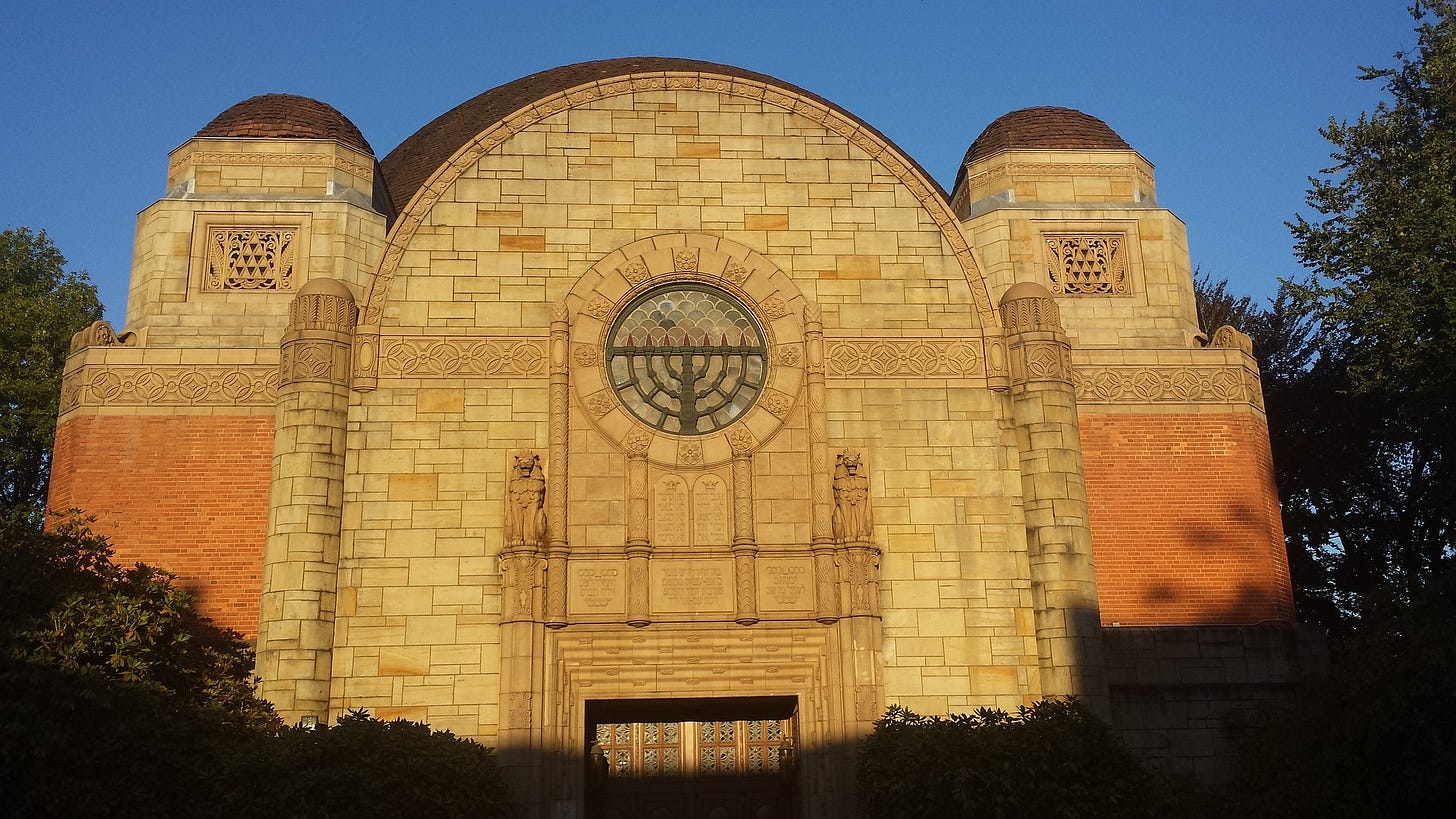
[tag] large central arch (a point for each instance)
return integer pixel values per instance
(424, 166)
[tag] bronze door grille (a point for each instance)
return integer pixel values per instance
(710, 748)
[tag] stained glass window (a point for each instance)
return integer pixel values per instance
(687, 359)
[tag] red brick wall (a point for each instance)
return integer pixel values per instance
(185, 493)
(1185, 519)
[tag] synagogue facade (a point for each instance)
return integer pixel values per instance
(660, 422)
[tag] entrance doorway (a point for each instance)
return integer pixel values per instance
(708, 758)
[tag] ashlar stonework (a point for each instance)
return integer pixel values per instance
(661, 423)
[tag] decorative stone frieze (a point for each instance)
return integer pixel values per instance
(170, 385)
(454, 357)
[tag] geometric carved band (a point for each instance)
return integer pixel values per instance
(175, 385)
(313, 361)
(1185, 383)
(434, 357)
(905, 357)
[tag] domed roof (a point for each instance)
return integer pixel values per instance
(408, 166)
(286, 116)
(1043, 128)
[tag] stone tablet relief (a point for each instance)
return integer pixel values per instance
(596, 587)
(692, 586)
(785, 584)
(710, 512)
(669, 511)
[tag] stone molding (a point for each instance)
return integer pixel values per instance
(872, 357)
(264, 159)
(1060, 168)
(462, 356)
(879, 150)
(253, 385)
(1217, 379)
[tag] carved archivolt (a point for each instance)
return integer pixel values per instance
(183, 385)
(434, 357)
(928, 194)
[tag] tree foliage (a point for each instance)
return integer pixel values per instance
(41, 306)
(1381, 249)
(117, 699)
(70, 606)
(1052, 759)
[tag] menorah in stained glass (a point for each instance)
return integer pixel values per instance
(687, 359)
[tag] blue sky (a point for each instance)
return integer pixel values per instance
(1224, 98)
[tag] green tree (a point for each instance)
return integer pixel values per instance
(67, 605)
(1382, 254)
(1052, 759)
(41, 306)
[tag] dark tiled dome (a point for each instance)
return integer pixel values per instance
(1045, 128)
(286, 116)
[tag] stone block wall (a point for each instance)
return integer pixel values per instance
(1180, 693)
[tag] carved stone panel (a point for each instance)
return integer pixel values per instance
(692, 586)
(710, 512)
(785, 585)
(597, 588)
(670, 511)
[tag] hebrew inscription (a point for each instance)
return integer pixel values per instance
(710, 512)
(670, 511)
(692, 586)
(596, 588)
(785, 584)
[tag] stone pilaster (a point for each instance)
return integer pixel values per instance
(1059, 542)
(557, 549)
(300, 560)
(826, 585)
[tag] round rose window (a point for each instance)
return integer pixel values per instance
(687, 359)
